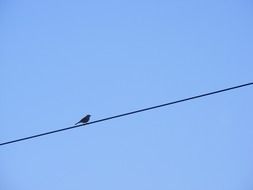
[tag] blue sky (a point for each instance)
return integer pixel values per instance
(60, 60)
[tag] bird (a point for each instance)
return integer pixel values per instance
(84, 120)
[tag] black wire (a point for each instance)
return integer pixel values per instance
(125, 114)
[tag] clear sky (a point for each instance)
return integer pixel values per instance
(61, 60)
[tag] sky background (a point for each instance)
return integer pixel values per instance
(61, 60)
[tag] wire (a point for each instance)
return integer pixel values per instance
(125, 114)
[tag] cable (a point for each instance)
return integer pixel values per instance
(125, 114)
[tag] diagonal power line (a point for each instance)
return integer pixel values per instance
(125, 114)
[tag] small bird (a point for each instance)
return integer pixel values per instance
(84, 120)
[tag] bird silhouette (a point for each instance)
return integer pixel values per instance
(84, 120)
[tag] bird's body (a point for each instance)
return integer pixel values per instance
(84, 120)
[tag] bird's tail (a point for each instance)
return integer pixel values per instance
(77, 123)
